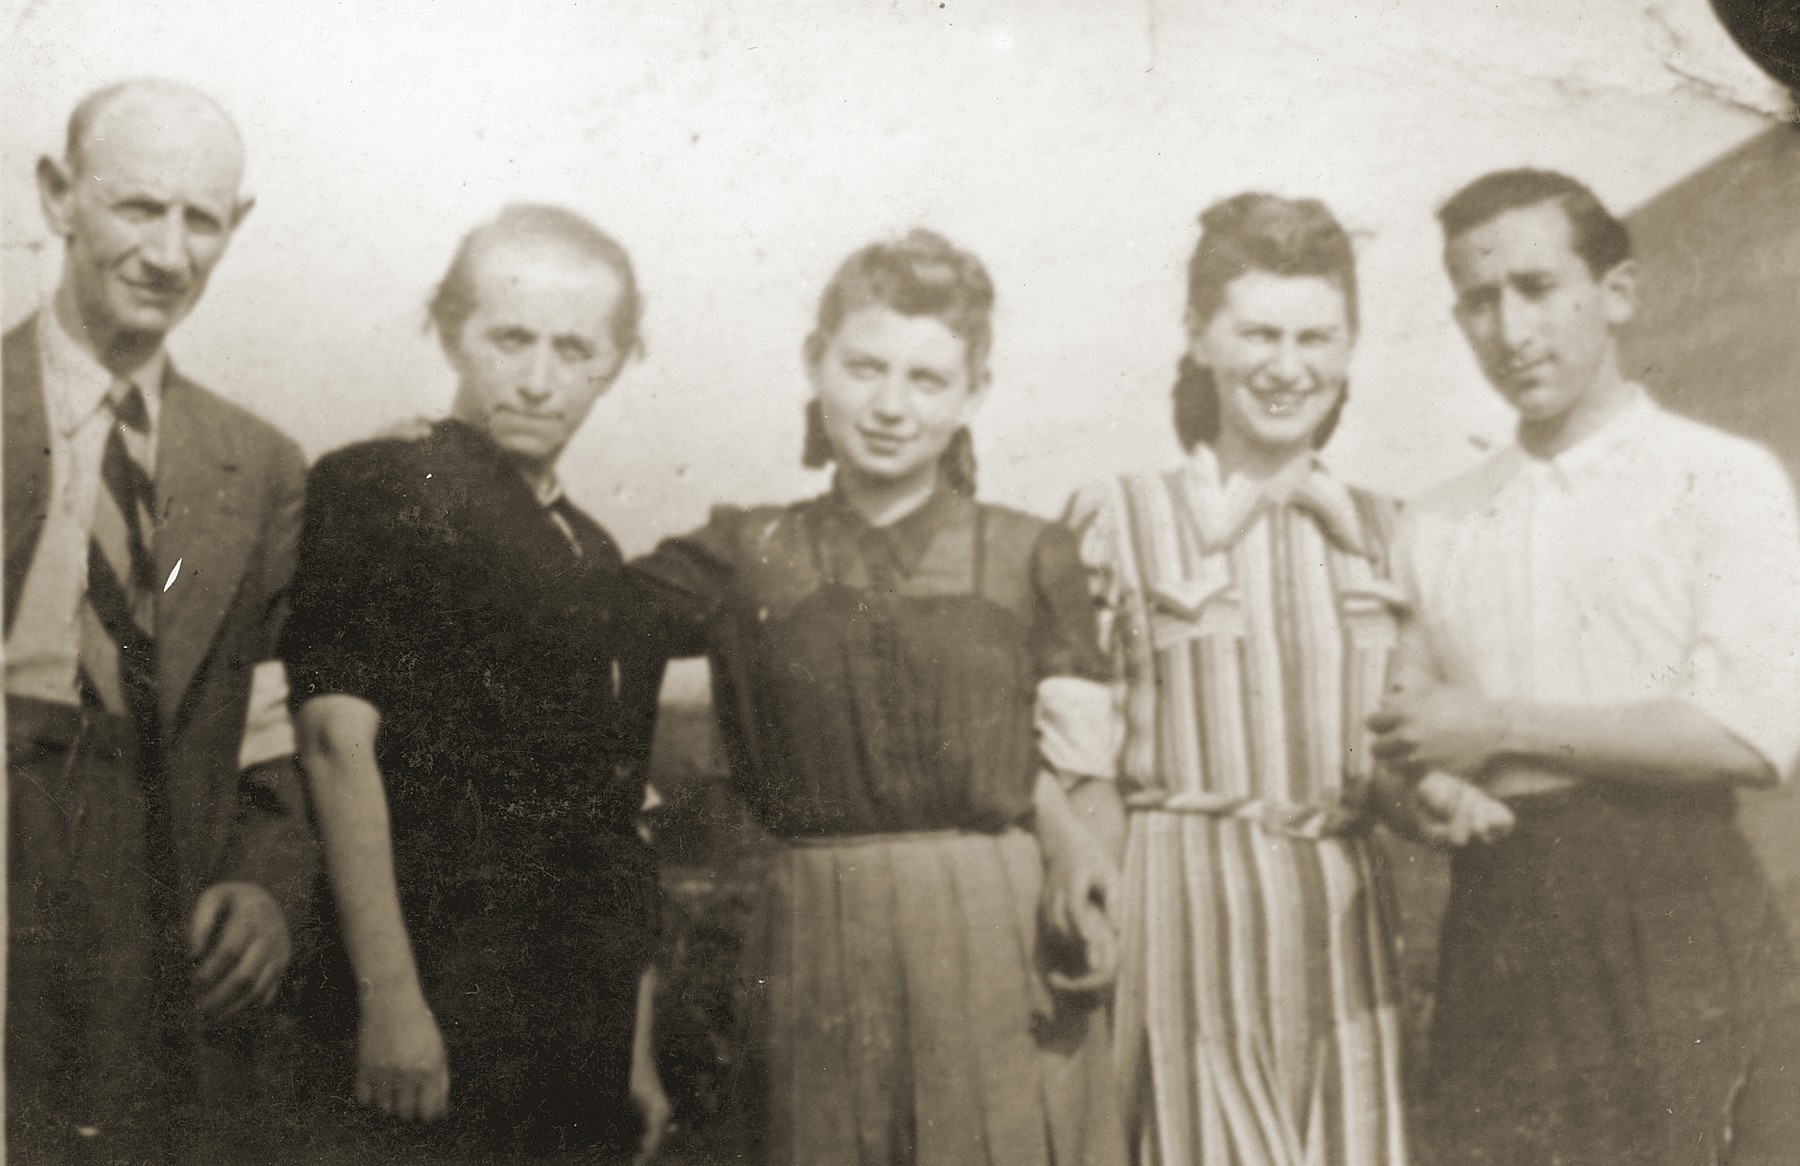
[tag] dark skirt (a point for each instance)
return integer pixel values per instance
(532, 971)
(1615, 985)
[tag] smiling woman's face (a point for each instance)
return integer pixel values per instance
(538, 349)
(894, 389)
(1279, 348)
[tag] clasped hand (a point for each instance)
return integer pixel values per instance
(1442, 738)
(1077, 888)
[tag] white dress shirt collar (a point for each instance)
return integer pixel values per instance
(1594, 449)
(77, 383)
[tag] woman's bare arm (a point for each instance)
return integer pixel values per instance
(402, 1065)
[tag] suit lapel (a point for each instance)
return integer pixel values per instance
(27, 423)
(199, 485)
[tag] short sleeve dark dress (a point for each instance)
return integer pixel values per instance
(875, 688)
(484, 626)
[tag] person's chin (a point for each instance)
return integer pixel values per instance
(138, 319)
(526, 447)
(884, 468)
(1275, 432)
(137, 310)
(1537, 402)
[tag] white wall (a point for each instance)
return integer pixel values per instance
(741, 149)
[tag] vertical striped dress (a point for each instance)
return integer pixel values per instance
(1257, 1008)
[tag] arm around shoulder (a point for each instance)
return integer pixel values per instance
(675, 592)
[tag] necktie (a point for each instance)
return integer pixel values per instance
(118, 672)
(118, 642)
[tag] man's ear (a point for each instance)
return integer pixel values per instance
(242, 210)
(55, 186)
(1619, 293)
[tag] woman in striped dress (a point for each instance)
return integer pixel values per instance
(1247, 601)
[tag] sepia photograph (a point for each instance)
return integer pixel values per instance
(901, 582)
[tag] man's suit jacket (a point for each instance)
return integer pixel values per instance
(229, 486)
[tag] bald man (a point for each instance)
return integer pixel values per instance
(157, 842)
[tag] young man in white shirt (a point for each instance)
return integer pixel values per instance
(1607, 637)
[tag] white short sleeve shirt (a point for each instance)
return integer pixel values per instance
(1657, 559)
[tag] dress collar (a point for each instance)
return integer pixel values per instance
(549, 491)
(1225, 509)
(908, 537)
(480, 444)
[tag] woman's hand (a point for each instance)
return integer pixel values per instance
(1452, 812)
(402, 1067)
(1078, 884)
(1099, 952)
(645, 1085)
(1079, 874)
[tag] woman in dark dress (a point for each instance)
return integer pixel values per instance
(465, 711)
(904, 676)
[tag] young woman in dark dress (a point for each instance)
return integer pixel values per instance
(904, 676)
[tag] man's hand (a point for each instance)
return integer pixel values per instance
(652, 1105)
(239, 946)
(1438, 727)
(402, 1067)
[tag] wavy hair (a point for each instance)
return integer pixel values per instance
(1602, 241)
(920, 274)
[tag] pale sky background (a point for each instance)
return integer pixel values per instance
(741, 149)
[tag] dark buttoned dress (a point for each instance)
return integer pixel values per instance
(876, 690)
(434, 585)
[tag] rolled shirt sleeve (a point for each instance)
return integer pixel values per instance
(1743, 669)
(1075, 714)
(1085, 728)
(1079, 727)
